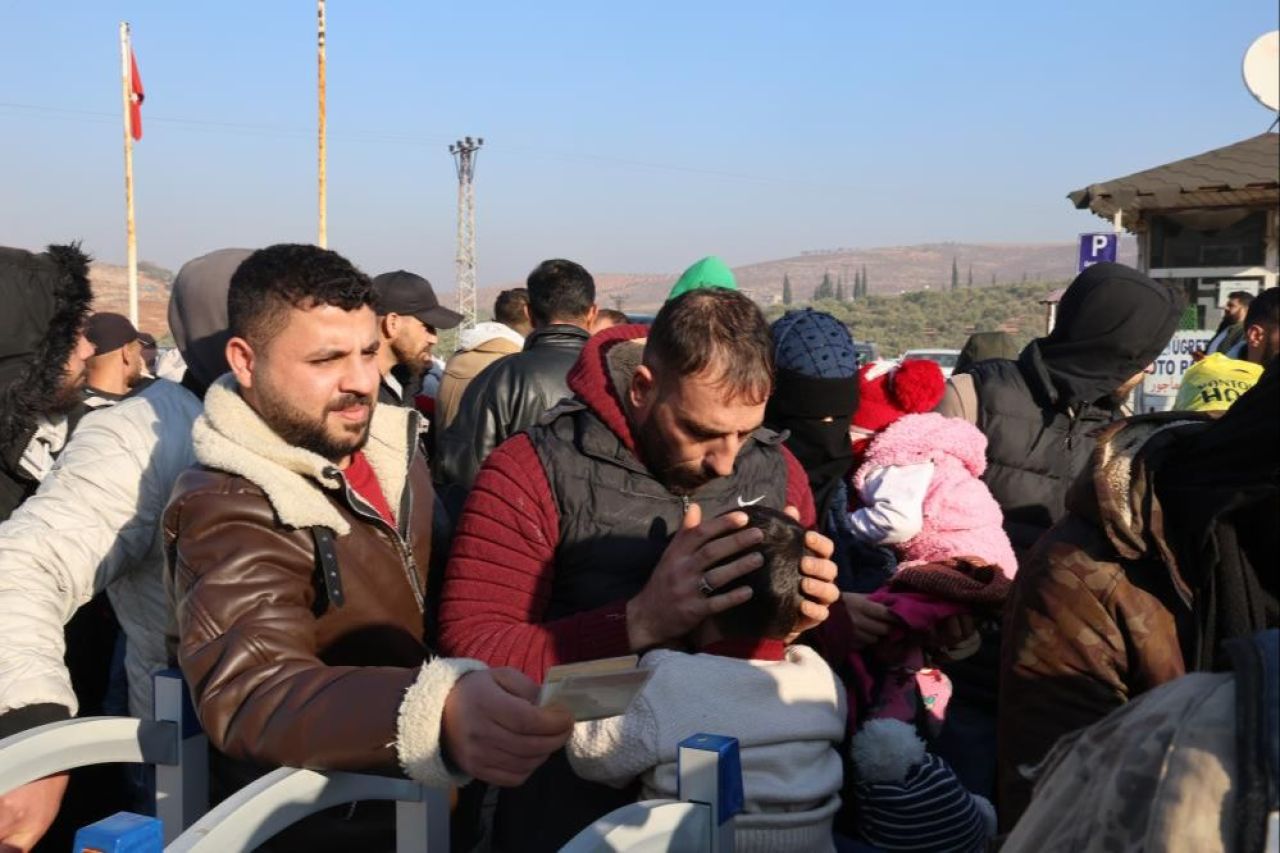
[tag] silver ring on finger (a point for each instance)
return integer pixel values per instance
(705, 587)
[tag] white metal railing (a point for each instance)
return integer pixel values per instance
(710, 774)
(172, 742)
(283, 797)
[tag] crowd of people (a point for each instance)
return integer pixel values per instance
(928, 608)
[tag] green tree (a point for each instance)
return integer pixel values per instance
(786, 289)
(865, 292)
(955, 274)
(840, 290)
(970, 284)
(826, 290)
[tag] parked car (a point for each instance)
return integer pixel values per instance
(946, 358)
(867, 352)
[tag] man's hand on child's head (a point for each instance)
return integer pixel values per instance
(681, 592)
(818, 584)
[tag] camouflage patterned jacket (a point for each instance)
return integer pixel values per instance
(1099, 613)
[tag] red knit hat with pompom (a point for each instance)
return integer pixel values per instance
(888, 391)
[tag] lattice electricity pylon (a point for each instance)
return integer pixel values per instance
(464, 153)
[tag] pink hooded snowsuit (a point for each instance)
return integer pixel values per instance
(959, 515)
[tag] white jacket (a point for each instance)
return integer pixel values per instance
(94, 524)
(789, 717)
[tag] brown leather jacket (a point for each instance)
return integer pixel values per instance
(287, 664)
(1097, 612)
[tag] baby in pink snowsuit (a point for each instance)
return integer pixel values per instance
(919, 490)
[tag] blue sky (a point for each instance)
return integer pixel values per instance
(631, 137)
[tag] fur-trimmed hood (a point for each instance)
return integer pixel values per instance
(46, 298)
(230, 436)
(1115, 490)
(483, 333)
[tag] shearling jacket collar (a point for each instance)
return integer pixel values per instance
(1115, 490)
(230, 436)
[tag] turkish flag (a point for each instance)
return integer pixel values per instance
(136, 96)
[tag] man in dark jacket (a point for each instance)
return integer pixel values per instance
(584, 537)
(1038, 412)
(42, 362)
(511, 394)
(1168, 549)
(298, 553)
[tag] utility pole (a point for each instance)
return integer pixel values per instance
(127, 69)
(464, 153)
(322, 184)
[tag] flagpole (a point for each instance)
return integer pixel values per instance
(130, 231)
(323, 239)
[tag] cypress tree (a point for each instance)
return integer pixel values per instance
(786, 289)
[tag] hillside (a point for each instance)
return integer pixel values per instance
(110, 285)
(933, 318)
(889, 270)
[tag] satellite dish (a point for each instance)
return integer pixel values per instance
(1262, 69)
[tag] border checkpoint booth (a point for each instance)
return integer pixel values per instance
(1207, 224)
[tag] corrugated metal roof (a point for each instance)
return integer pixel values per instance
(1244, 174)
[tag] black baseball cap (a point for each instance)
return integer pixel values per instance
(108, 331)
(402, 292)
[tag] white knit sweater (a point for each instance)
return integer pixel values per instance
(788, 717)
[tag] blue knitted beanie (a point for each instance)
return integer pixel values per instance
(814, 344)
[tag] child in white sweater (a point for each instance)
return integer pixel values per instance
(783, 704)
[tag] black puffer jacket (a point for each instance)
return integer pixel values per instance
(507, 397)
(46, 298)
(1040, 413)
(1035, 444)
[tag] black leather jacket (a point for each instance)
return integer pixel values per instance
(506, 398)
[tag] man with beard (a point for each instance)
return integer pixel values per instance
(115, 370)
(584, 536)
(409, 317)
(298, 552)
(42, 362)
(1230, 332)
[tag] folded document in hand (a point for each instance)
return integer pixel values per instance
(595, 689)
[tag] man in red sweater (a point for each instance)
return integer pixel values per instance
(584, 537)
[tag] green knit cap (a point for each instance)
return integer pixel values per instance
(708, 272)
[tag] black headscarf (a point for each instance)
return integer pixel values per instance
(1112, 322)
(1219, 490)
(800, 404)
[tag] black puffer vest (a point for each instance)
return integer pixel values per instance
(1037, 442)
(615, 522)
(615, 518)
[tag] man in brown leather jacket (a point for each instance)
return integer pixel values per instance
(299, 550)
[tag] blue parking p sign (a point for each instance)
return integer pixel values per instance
(1095, 248)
